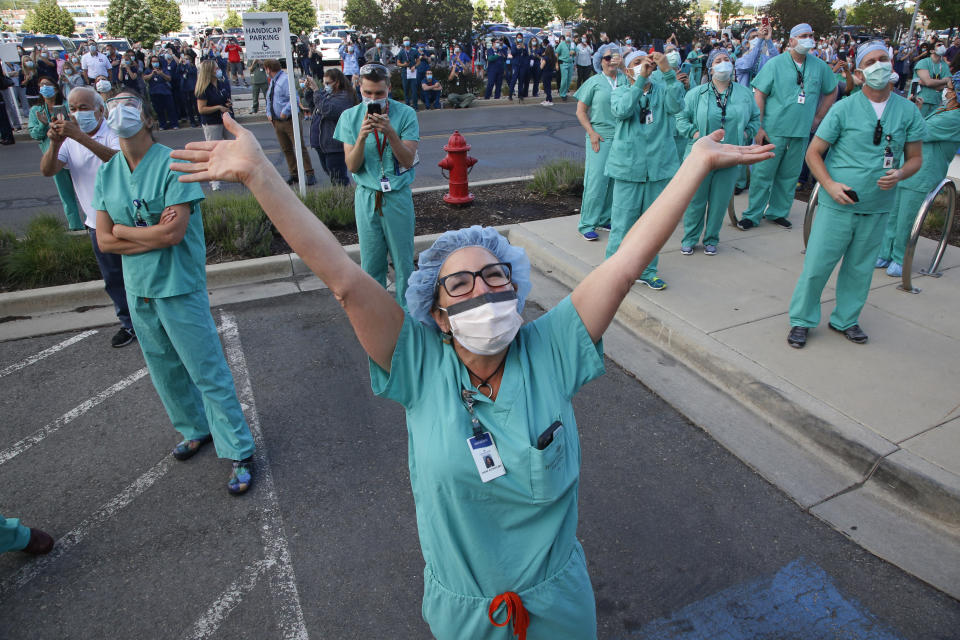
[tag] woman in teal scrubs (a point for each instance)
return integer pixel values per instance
(153, 220)
(593, 112)
(940, 146)
(492, 440)
(718, 104)
(40, 117)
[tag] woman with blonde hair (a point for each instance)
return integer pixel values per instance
(213, 100)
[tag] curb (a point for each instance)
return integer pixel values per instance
(902, 475)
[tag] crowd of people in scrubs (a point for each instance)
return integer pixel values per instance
(669, 139)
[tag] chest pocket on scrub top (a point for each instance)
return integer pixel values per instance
(150, 210)
(551, 471)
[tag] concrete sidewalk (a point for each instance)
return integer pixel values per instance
(865, 437)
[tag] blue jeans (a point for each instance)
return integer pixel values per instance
(111, 268)
(432, 99)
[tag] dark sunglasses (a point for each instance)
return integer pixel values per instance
(878, 133)
(608, 58)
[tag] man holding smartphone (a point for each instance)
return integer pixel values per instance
(867, 134)
(380, 138)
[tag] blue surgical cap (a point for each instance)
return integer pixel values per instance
(863, 50)
(422, 284)
(633, 55)
(956, 82)
(716, 51)
(605, 49)
(803, 27)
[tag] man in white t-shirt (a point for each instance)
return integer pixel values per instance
(81, 144)
(94, 64)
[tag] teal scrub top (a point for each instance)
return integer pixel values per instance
(564, 53)
(595, 93)
(645, 152)
(515, 531)
(854, 160)
(939, 149)
(404, 121)
(783, 115)
(701, 114)
(161, 273)
(937, 71)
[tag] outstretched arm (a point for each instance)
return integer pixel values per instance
(374, 314)
(597, 298)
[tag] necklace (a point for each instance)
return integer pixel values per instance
(485, 382)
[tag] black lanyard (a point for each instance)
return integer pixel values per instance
(722, 104)
(466, 395)
(644, 107)
(800, 71)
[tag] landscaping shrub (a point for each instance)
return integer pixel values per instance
(46, 256)
(333, 205)
(235, 227)
(563, 176)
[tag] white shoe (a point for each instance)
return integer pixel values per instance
(214, 186)
(546, 104)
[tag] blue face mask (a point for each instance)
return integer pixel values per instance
(86, 120)
(155, 65)
(219, 74)
(47, 91)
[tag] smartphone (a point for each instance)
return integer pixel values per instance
(373, 107)
(59, 110)
(852, 195)
(545, 438)
(765, 21)
(842, 55)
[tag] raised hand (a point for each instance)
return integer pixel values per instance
(710, 150)
(222, 160)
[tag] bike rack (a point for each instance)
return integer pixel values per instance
(811, 213)
(950, 191)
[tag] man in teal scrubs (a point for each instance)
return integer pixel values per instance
(642, 158)
(867, 134)
(940, 146)
(933, 74)
(565, 61)
(793, 91)
(380, 151)
(16, 537)
(673, 59)
(593, 112)
(153, 220)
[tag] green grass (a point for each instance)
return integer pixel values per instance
(558, 178)
(45, 256)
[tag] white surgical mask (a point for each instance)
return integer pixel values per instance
(103, 86)
(723, 70)
(804, 45)
(487, 324)
(673, 58)
(125, 121)
(754, 43)
(877, 75)
(940, 50)
(86, 120)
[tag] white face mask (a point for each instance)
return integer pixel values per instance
(723, 70)
(487, 324)
(804, 45)
(940, 50)
(754, 43)
(125, 121)
(673, 58)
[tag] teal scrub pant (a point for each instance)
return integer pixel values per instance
(906, 204)
(774, 181)
(562, 607)
(183, 354)
(743, 176)
(68, 197)
(681, 147)
(566, 75)
(391, 232)
(13, 535)
(709, 203)
(630, 200)
(597, 187)
(837, 234)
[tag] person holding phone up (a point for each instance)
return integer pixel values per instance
(380, 138)
(867, 134)
(52, 109)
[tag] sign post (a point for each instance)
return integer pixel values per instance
(268, 36)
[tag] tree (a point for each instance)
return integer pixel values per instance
(364, 15)
(480, 14)
(167, 13)
(301, 13)
(48, 17)
(729, 9)
(439, 20)
(878, 15)
(566, 10)
(786, 13)
(233, 20)
(496, 15)
(133, 20)
(529, 13)
(943, 14)
(640, 19)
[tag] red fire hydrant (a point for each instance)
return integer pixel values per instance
(458, 163)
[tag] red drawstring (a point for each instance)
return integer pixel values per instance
(515, 610)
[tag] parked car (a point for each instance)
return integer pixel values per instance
(330, 48)
(120, 44)
(51, 42)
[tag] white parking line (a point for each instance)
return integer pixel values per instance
(30, 571)
(283, 580)
(19, 447)
(210, 621)
(26, 362)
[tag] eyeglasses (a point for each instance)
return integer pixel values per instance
(123, 101)
(461, 283)
(374, 72)
(608, 58)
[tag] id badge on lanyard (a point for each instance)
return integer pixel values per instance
(801, 99)
(888, 156)
(481, 444)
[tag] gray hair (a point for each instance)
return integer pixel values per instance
(97, 98)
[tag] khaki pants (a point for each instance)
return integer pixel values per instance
(284, 131)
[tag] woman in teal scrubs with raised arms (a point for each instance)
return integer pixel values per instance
(153, 220)
(493, 449)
